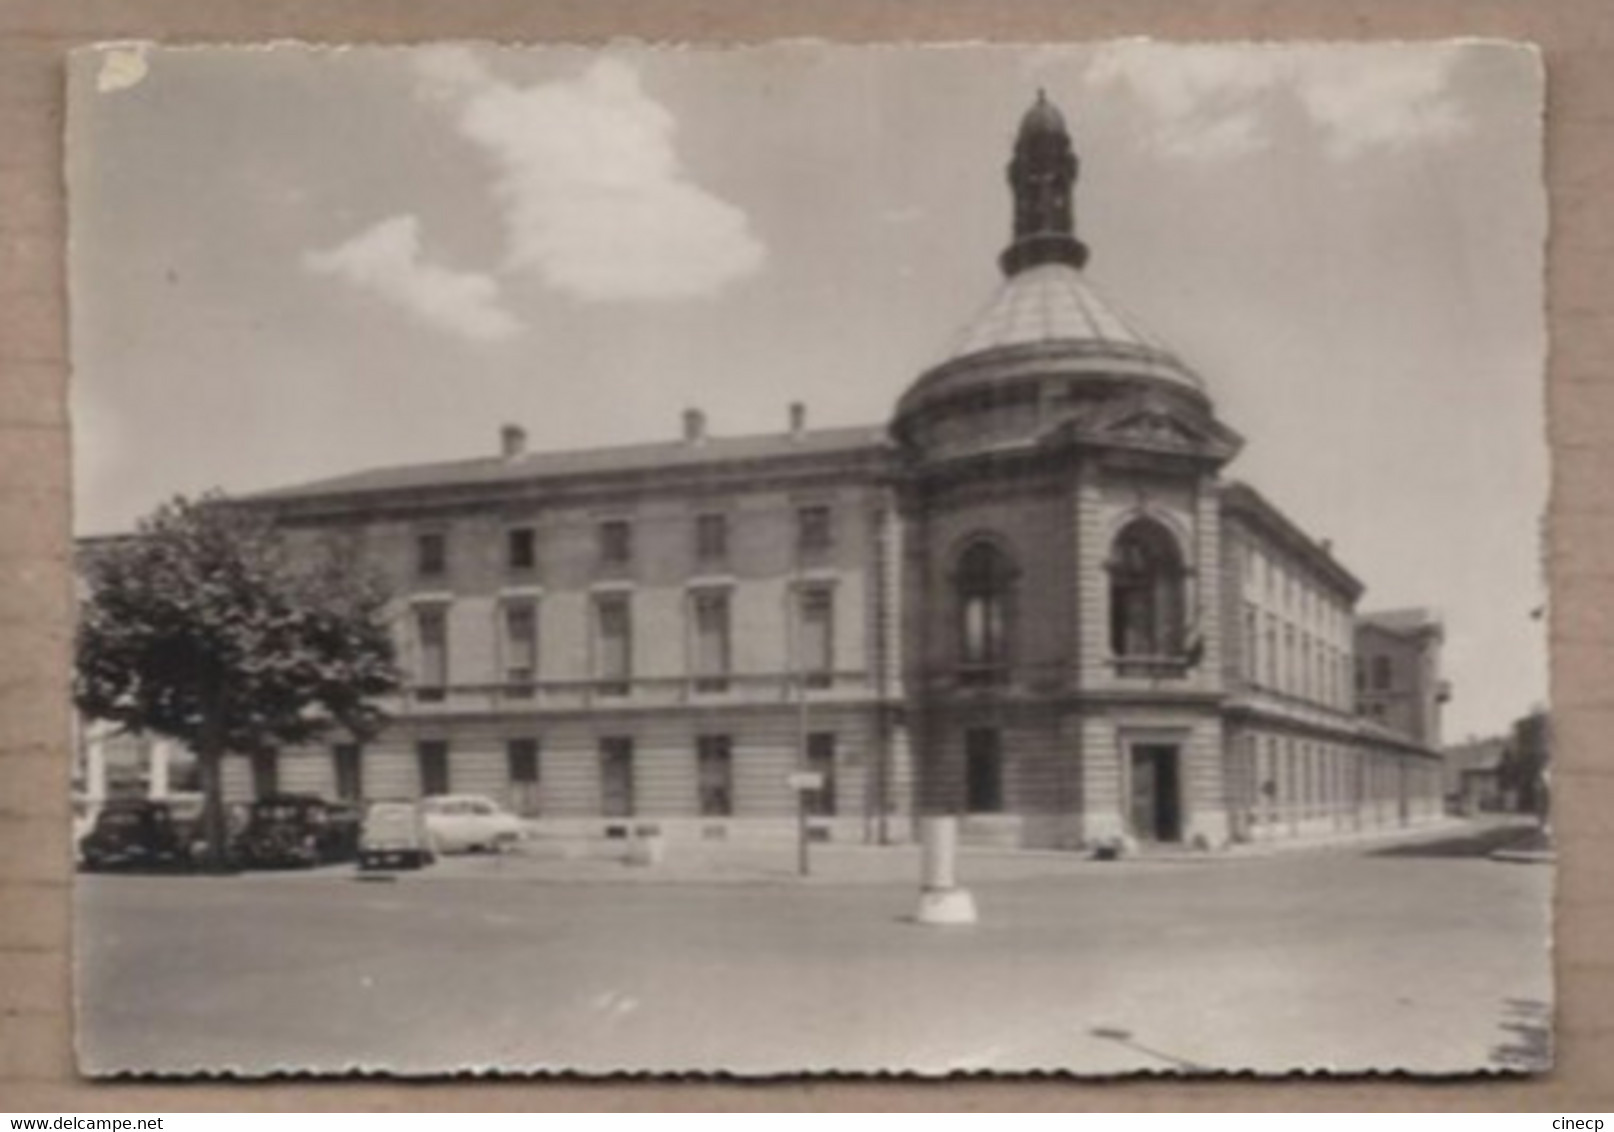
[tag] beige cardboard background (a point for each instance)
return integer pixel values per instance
(1577, 36)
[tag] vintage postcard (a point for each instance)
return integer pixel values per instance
(804, 558)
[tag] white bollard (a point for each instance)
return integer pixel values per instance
(647, 846)
(941, 900)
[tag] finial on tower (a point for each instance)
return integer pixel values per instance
(1042, 174)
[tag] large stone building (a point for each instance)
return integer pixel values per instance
(1032, 599)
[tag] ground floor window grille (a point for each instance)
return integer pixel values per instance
(715, 775)
(346, 758)
(821, 761)
(265, 774)
(432, 756)
(1268, 773)
(521, 757)
(616, 777)
(1244, 781)
(1290, 792)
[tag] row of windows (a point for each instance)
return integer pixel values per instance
(1147, 601)
(1148, 608)
(614, 547)
(711, 637)
(714, 773)
(1287, 658)
(1280, 587)
(1295, 775)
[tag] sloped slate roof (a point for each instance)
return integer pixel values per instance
(493, 470)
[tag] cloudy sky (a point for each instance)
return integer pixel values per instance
(288, 264)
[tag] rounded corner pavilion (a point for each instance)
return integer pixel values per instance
(1085, 663)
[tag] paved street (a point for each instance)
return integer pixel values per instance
(1430, 957)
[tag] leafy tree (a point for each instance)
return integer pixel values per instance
(1525, 761)
(206, 627)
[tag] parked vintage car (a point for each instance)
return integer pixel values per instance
(470, 823)
(394, 835)
(138, 833)
(297, 831)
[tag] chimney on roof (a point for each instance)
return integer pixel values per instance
(512, 441)
(694, 426)
(798, 419)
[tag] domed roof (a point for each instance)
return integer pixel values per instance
(1043, 118)
(1054, 305)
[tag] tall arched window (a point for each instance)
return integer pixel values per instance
(983, 578)
(1146, 593)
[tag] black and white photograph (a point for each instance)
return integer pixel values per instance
(809, 558)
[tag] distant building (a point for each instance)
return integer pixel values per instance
(1506, 772)
(1398, 680)
(1031, 600)
(1473, 776)
(110, 764)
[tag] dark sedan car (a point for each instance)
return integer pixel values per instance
(138, 834)
(297, 831)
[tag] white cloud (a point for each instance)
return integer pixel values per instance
(385, 260)
(595, 199)
(1393, 101)
(1211, 102)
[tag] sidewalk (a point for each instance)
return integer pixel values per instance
(775, 862)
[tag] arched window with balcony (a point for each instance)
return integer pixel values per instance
(984, 579)
(1147, 602)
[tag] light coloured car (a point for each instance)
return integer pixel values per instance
(470, 823)
(394, 836)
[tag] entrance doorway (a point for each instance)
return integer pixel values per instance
(1156, 792)
(983, 766)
